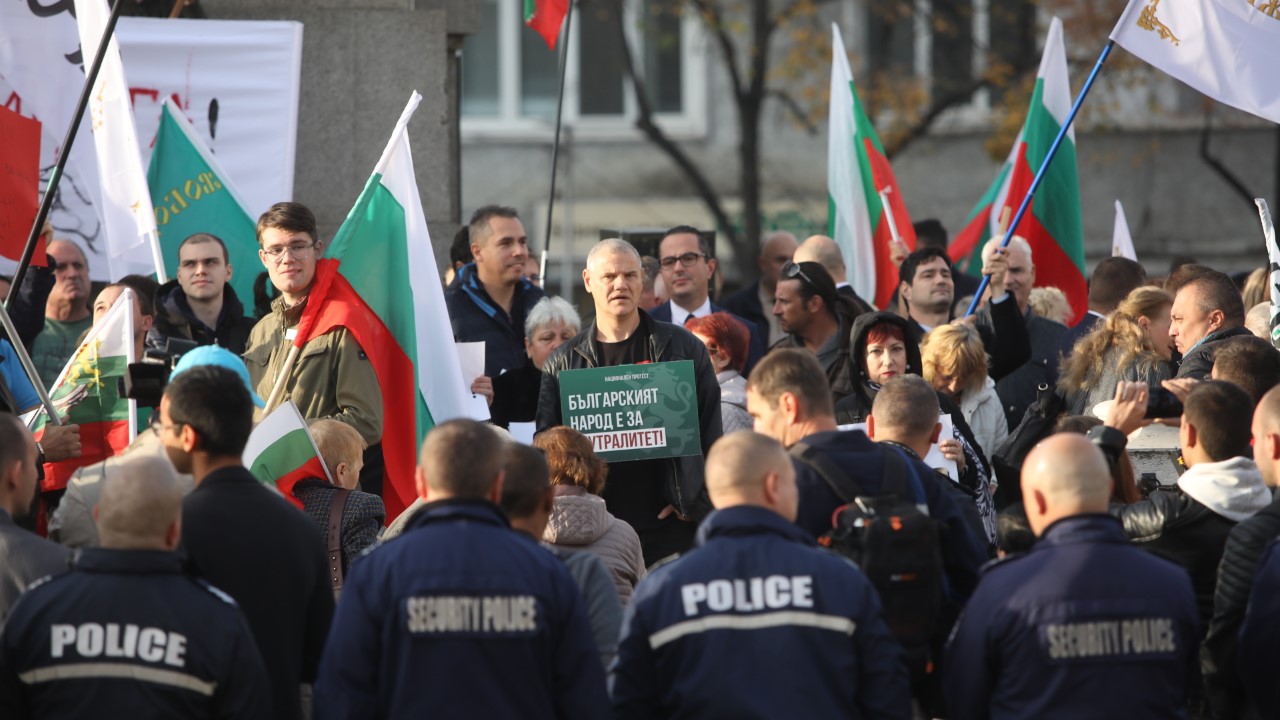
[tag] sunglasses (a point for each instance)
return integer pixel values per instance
(791, 271)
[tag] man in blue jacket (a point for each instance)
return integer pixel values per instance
(460, 617)
(757, 621)
(1085, 623)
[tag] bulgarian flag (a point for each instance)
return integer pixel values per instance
(545, 17)
(87, 393)
(1052, 225)
(281, 451)
(379, 281)
(857, 173)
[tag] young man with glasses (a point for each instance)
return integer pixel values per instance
(332, 377)
(687, 268)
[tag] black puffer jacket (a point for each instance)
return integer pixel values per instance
(685, 484)
(1178, 527)
(1199, 362)
(174, 318)
(1240, 558)
(856, 406)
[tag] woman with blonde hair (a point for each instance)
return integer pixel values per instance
(954, 361)
(1131, 344)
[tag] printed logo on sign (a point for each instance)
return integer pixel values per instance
(1148, 21)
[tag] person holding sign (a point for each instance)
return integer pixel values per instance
(662, 495)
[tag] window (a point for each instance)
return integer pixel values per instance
(948, 44)
(509, 76)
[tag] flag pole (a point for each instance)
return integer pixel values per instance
(555, 142)
(1035, 184)
(28, 367)
(90, 77)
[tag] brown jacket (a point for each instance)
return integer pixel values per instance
(332, 377)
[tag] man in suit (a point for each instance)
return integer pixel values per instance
(687, 269)
(1112, 281)
(755, 301)
(824, 251)
(24, 556)
(244, 538)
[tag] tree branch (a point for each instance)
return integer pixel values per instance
(921, 127)
(1223, 171)
(711, 18)
(793, 106)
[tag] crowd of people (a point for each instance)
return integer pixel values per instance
(890, 512)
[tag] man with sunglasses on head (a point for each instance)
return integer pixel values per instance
(687, 269)
(332, 377)
(818, 319)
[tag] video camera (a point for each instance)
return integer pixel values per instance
(144, 381)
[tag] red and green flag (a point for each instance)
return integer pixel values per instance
(379, 281)
(281, 451)
(545, 17)
(87, 393)
(1052, 224)
(858, 177)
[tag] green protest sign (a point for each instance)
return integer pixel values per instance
(634, 412)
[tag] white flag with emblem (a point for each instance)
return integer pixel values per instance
(1226, 49)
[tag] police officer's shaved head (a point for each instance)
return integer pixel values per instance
(460, 458)
(141, 505)
(1064, 475)
(1266, 436)
(907, 406)
(747, 468)
(17, 465)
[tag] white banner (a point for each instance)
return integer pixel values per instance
(237, 80)
(1226, 49)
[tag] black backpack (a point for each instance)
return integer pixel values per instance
(895, 543)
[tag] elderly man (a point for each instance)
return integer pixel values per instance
(662, 498)
(128, 633)
(1083, 609)
(755, 301)
(66, 314)
(1206, 311)
(690, 650)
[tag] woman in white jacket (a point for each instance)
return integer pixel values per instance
(955, 363)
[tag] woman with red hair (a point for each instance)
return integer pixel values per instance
(727, 340)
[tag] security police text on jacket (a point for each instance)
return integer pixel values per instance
(757, 622)
(127, 635)
(460, 617)
(1084, 624)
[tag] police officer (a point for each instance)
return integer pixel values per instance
(757, 621)
(460, 616)
(126, 633)
(1083, 610)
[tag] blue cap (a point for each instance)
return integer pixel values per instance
(221, 357)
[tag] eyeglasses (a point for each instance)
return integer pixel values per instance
(159, 426)
(296, 251)
(686, 260)
(791, 271)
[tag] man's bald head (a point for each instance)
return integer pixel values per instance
(1266, 437)
(1064, 475)
(461, 458)
(747, 468)
(141, 505)
(824, 251)
(775, 252)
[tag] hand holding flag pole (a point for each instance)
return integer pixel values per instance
(897, 249)
(27, 366)
(1035, 184)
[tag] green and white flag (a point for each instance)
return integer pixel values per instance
(192, 194)
(281, 451)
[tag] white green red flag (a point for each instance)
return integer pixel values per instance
(87, 393)
(1052, 224)
(191, 194)
(857, 172)
(379, 280)
(281, 451)
(1226, 49)
(545, 17)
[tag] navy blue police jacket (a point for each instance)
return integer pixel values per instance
(1085, 625)
(862, 458)
(1259, 649)
(126, 634)
(460, 617)
(757, 622)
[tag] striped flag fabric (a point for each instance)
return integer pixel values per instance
(857, 172)
(127, 217)
(545, 17)
(281, 451)
(1052, 224)
(379, 280)
(87, 393)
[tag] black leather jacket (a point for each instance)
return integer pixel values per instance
(685, 483)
